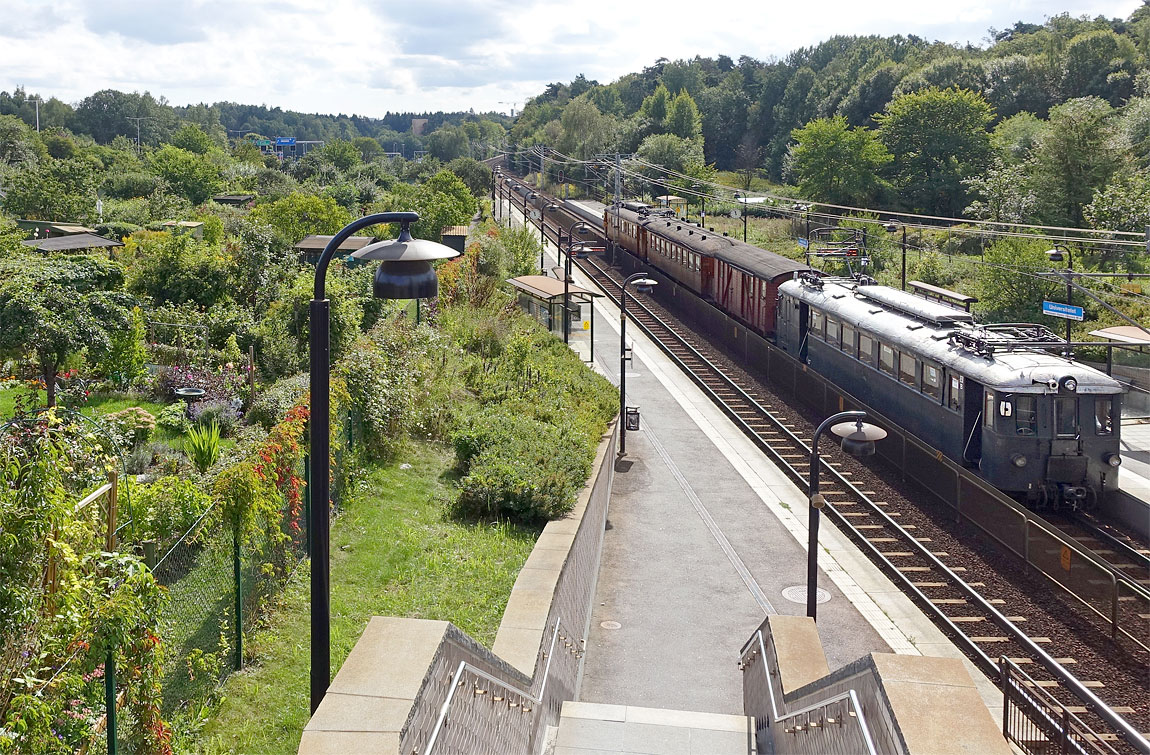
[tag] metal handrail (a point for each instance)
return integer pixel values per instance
(1010, 668)
(777, 719)
(465, 666)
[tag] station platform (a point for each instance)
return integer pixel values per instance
(1134, 475)
(704, 538)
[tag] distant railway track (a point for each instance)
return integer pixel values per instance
(981, 610)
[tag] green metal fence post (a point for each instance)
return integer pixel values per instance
(239, 596)
(110, 700)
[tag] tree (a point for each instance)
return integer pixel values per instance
(448, 143)
(341, 153)
(1008, 289)
(1003, 193)
(191, 175)
(1100, 63)
(1124, 204)
(55, 306)
(473, 173)
(54, 190)
(443, 200)
(174, 269)
(748, 161)
(1074, 157)
(368, 147)
(192, 138)
(683, 117)
(1013, 139)
(938, 137)
(836, 163)
(673, 152)
(654, 107)
(17, 141)
(298, 215)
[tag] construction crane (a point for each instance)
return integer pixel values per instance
(513, 106)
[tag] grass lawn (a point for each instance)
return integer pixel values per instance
(393, 553)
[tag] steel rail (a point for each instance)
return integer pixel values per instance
(989, 666)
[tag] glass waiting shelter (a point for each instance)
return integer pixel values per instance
(541, 296)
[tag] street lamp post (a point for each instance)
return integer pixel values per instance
(858, 439)
(552, 207)
(405, 272)
(582, 228)
(742, 199)
(1055, 255)
(643, 284)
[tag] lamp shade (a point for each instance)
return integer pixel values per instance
(405, 270)
(858, 438)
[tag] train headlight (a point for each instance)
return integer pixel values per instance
(1113, 459)
(1018, 460)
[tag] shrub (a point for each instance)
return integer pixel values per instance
(174, 417)
(271, 406)
(202, 446)
(382, 381)
(135, 424)
(164, 510)
(125, 360)
(219, 413)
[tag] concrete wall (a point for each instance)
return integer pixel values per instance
(389, 693)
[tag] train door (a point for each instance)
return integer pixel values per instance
(804, 327)
(707, 277)
(1066, 440)
(972, 416)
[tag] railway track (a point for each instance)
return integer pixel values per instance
(985, 618)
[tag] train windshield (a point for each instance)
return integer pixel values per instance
(1066, 417)
(1026, 415)
(1103, 416)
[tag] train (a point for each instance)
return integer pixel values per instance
(1033, 424)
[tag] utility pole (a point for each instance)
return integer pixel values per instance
(137, 119)
(37, 100)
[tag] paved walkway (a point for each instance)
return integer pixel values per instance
(1134, 476)
(703, 536)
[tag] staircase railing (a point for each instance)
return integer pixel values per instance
(836, 724)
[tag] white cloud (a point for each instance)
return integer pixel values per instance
(372, 56)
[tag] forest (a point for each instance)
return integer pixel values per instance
(1047, 123)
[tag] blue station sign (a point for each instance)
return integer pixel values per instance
(1065, 311)
(804, 243)
(285, 141)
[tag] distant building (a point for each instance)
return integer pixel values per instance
(287, 147)
(235, 200)
(194, 227)
(73, 242)
(418, 125)
(311, 247)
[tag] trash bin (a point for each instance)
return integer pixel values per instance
(632, 418)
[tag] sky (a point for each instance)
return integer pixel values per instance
(369, 57)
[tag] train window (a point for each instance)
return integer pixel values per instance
(954, 399)
(866, 348)
(886, 358)
(848, 339)
(1026, 415)
(932, 381)
(1103, 416)
(907, 368)
(833, 331)
(816, 329)
(988, 410)
(1066, 417)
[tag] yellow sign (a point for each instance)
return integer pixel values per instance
(586, 325)
(1065, 558)
(1131, 288)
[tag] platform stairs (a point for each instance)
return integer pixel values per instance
(879, 704)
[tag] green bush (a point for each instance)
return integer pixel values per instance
(271, 405)
(164, 510)
(174, 417)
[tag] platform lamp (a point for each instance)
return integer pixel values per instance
(891, 228)
(1055, 255)
(404, 272)
(643, 285)
(550, 207)
(858, 439)
(582, 228)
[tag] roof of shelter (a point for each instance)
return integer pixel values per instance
(1124, 334)
(454, 230)
(317, 242)
(71, 241)
(548, 288)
